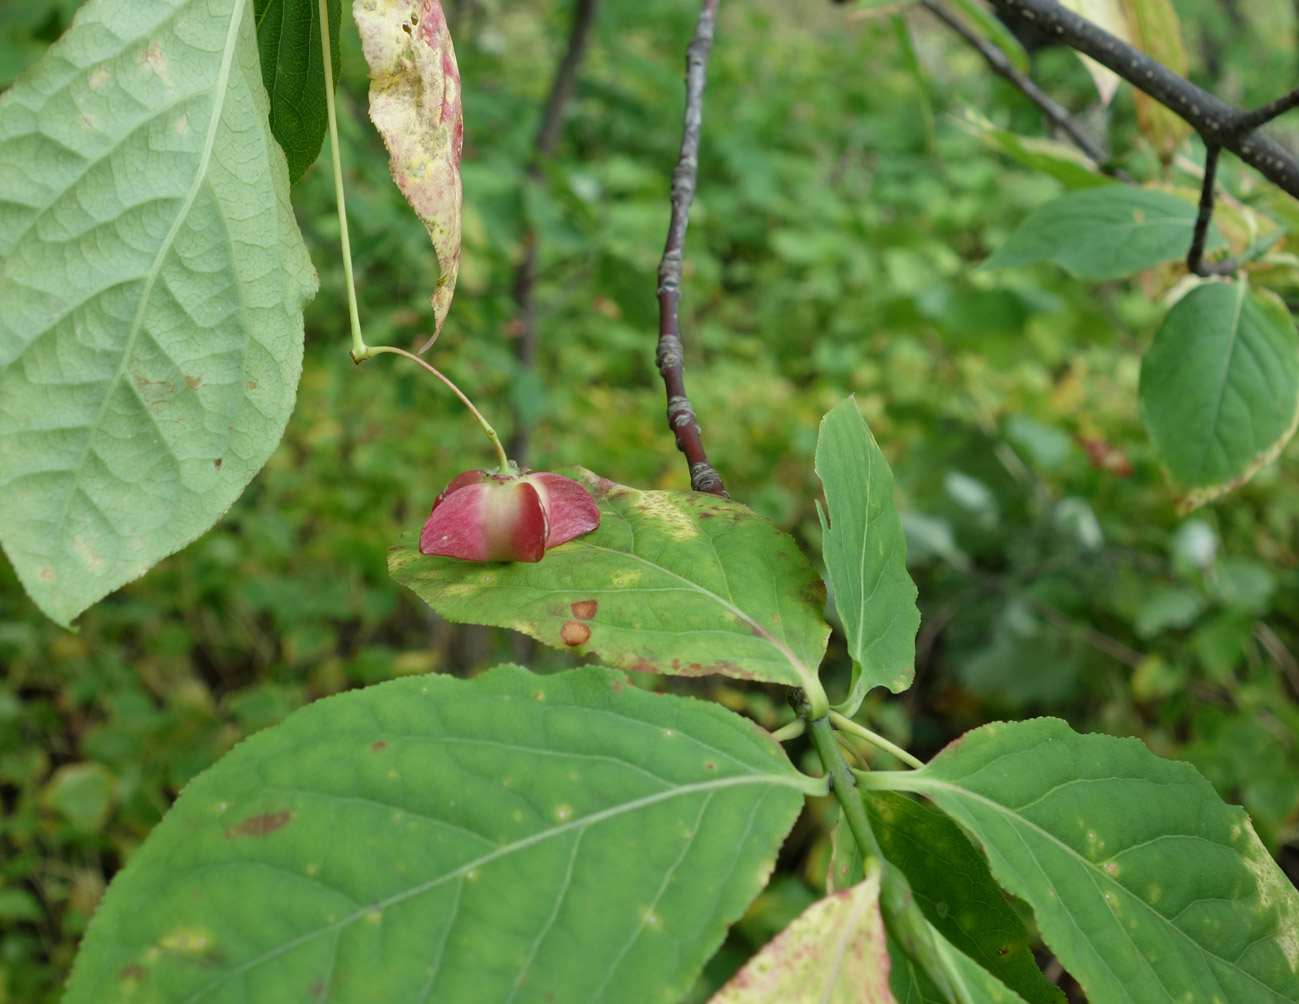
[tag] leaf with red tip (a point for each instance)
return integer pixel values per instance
(569, 507)
(415, 105)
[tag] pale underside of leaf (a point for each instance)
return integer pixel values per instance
(152, 278)
(415, 104)
(833, 953)
(509, 838)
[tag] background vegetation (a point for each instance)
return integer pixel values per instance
(842, 213)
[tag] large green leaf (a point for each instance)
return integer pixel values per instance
(866, 555)
(288, 36)
(1145, 884)
(152, 279)
(507, 838)
(1104, 232)
(955, 890)
(1220, 386)
(672, 582)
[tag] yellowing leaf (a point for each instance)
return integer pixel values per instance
(833, 953)
(1157, 32)
(415, 105)
(1108, 14)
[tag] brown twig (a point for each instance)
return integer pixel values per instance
(670, 359)
(1000, 64)
(525, 275)
(1195, 262)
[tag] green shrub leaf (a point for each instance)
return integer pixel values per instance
(288, 37)
(865, 554)
(152, 279)
(1144, 883)
(1104, 232)
(1220, 387)
(672, 582)
(508, 838)
(955, 890)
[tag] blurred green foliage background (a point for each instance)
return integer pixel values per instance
(833, 250)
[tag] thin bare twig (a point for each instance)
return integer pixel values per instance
(1266, 113)
(525, 276)
(1195, 262)
(1217, 122)
(1002, 66)
(670, 359)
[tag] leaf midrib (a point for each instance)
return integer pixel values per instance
(798, 783)
(219, 88)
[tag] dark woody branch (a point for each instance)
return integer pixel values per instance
(670, 359)
(1001, 65)
(1218, 123)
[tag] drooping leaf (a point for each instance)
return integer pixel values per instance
(1220, 387)
(833, 953)
(1104, 232)
(1145, 884)
(415, 105)
(865, 554)
(288, 37)
(567, 838)
(955, 890)
(1057, 159)
(680, 583)
(1107, 14)
(1157, 32)
(152, 279)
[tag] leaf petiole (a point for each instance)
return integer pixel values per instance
(847, 725)
(359, 350)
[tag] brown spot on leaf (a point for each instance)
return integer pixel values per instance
(584, 610)
(252, 384)
(47, 574)
(378, 745)
(193, 382)
(574, 633)
(316, 987)
(217, 463)
(259, 826)
(133, 971)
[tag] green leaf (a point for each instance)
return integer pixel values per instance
(987, 23)
(955, 891)
(288, 37)
(1108, 15)
(865, 554)
(1156, 31)
(82, 793)
(507, 838)
(833, 953)
(152, 279)
(1052, 157)
(672, 582)
(1145, 885)
(1104, 233)
(975, 985)
(1220, 387)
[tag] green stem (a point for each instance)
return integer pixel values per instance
(358, 343)
(789, 731)
(901, 914)
(874, 738)
(375, 350)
